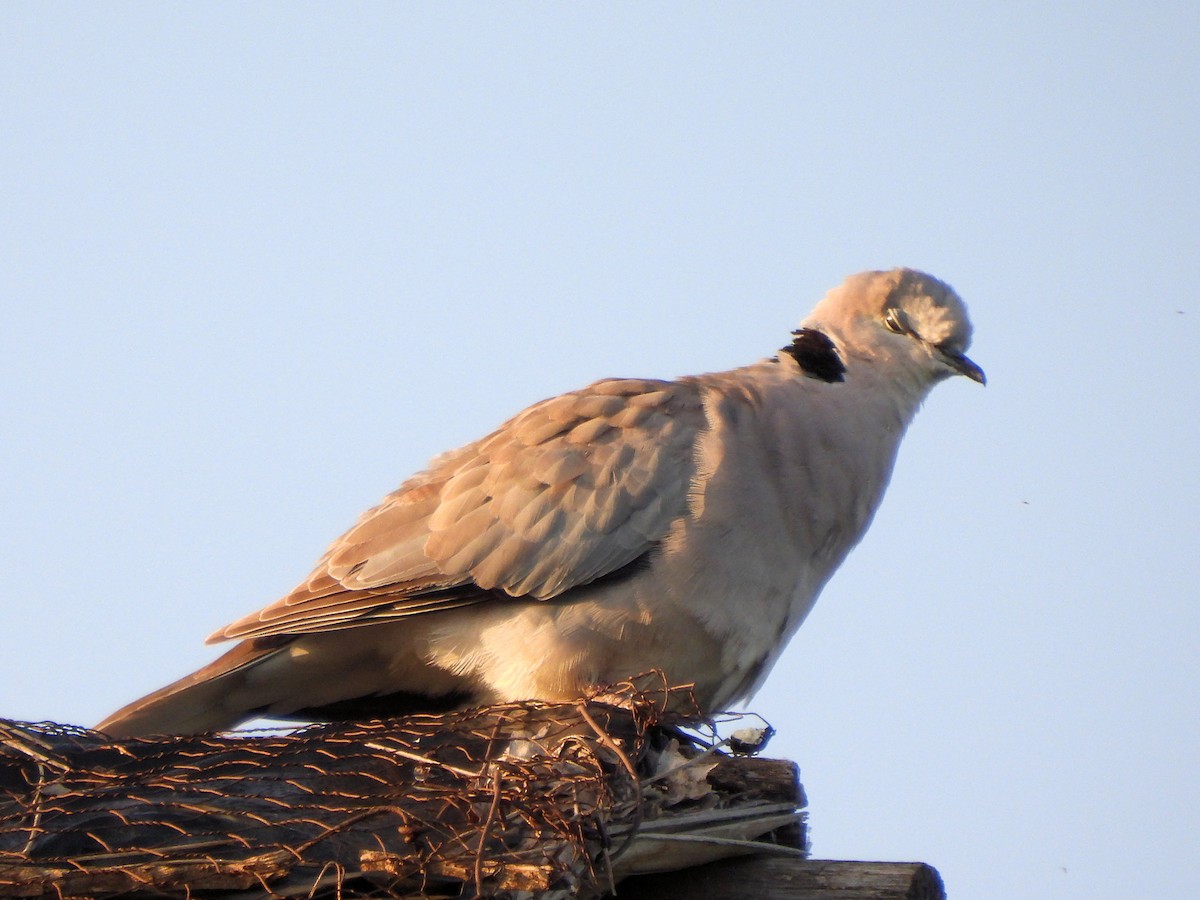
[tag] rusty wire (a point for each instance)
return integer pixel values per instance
(495, 801)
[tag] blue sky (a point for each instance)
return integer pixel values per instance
(259, 263)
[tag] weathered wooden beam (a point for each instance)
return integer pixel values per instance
(423, 805)
(775, 878)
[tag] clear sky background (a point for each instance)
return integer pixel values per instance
(259, 262)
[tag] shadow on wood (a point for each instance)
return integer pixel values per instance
(789, 879)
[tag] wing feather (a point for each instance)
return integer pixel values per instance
(565, 492)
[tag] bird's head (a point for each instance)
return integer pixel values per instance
(903, 319)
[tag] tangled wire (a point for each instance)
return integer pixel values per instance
(531, 799)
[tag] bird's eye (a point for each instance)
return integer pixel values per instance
(892, 319)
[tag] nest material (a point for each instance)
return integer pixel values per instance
(530, 799)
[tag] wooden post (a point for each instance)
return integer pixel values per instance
(426, 805)
(775, 878)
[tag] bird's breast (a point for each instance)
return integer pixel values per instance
(787, 483)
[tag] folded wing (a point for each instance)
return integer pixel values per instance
(568, 491)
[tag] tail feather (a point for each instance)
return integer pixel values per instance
(200, 702)
(329, 676)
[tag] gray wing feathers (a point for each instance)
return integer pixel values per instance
(567, 491)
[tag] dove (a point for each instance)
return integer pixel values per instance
(684, 526)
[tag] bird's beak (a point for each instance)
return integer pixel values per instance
(962, 365)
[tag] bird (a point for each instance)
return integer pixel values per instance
(682, 526)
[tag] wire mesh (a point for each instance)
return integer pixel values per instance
(509, 800)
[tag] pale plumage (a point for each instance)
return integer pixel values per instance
(685, 526)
